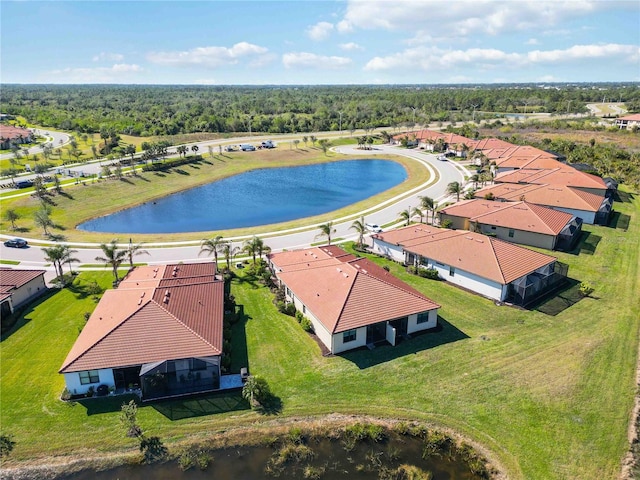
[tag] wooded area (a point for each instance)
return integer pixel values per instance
(156, 110)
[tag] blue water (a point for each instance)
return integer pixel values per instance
(258, 197)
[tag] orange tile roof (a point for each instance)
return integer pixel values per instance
(633, 118)
(557, 196)
(491, 143)
(487, 257)
(352, 294)
(569, 177)
(318, 256)
(11, 278)
(149, 318)
(399, 235)
(449, 138)
(534, 162)
(9, 132)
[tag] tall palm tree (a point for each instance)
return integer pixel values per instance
(417, 211)
(194, 149)
(67, 257)
(326, 230)
(251, 246)
(54, 255)
(133, 250)
(361, 228)
(212, 246)
(427, 203)
(405, 216)
(112, 256)
(454, 188)
(229, 251)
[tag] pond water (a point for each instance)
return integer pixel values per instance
(257, 197)
(329, 460)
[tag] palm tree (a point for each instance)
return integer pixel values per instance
(454, 188)
(112, 256)
(212, 246)
(194, 149)
(361, 228)
(417, 211)
(42, 219)
(252, 246)
(54, 255)
(67, 257)
(405, 216)
(181, 150)
(429, 204)
(229, 251)
(133, 250)
(326, 230)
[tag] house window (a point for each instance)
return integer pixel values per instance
(423, 317)
(349, 336)
(511, 233)
(304, 309)
(452, 271)
(90, 376)
(198, 364)
(424, 261)
(493, 228)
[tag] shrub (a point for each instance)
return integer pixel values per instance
(306, 324)
(299, 316)
(6, 445)
(586, 289)
(446, 223)
(66, 395)
(430, 273)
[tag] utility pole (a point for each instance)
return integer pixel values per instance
(473, 118)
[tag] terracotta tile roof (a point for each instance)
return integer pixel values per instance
(492, 143)
(472, 208)
(566, 176)
(536, 162)
(449, 138)
(296, 259)
(400, 235)
(631, 118)
(352, 294)
(554, 196)
(481, 255)
(9, 132)
(523, 216)
(12, 278)
(150, 318)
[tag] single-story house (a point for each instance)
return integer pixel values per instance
(486, 265)
(628, 121)
(14, 135)
(159, 331)
(391, 243)
(17, 287)
(562, 175)
(430, 140)
(350, 301)
(517, 222)
(518, 162)
(591, 208)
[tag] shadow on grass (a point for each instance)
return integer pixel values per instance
(444, 333)
(623, 197)
(239, 353)
(586, 245)
(619, 221)
(181, 172)
(273, 406)
(100, 405)
(201, 405)
(14, 322)
(560, 300)
(248, 279)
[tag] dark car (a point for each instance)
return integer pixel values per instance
(16, 243)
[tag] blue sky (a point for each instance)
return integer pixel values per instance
(319, 42)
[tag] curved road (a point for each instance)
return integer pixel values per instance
(56, 139)
(382, 214)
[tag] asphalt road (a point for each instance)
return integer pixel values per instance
(56, 139)
(33, 257)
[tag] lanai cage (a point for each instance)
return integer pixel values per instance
(533, 286)
(179, 377)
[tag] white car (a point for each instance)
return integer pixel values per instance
(372, 227)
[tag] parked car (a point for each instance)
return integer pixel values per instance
(372, 227)
(267, 144)
(247, 148)
(229, 148)
(16, 243)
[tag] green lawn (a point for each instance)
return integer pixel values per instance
(549, 396)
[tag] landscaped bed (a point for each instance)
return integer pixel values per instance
(549, 397)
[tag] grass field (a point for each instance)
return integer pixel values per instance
(83, 202)
(549, 396)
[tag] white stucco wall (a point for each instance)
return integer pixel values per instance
(475, 283)
(383, 248)
(29, 290)
(360, 341)
(72, 380)
(587, 217)
(413, 326)
(520, 236)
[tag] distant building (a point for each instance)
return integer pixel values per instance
(14, 135)
(628, 121)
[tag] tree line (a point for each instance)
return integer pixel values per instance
(144, 110)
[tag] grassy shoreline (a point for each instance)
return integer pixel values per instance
(84, 202)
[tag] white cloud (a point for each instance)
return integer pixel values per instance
(320, 31)
(532, 41)
(111, 57)
(116, 73)
(311, 60)
(462, 17)
(434, 58)
(350, 46)
(210, 56)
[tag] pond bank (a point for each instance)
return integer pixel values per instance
(340, 429)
